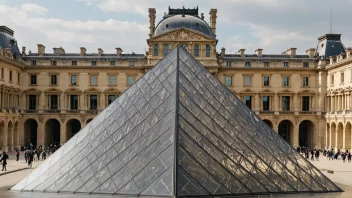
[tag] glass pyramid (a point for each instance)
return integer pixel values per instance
(177, 132)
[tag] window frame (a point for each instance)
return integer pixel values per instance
(244, 80)
(305, 81)
(53, 63)
(74, 63)
(134, 80)
(288, 81)
(268, 81)
(305, 64)
(115, 82)
(51, 79)
(131, 64)
(269, 105)
(247, 64)
(33, 62)
(92, 81)
(207, 50)
(112, 63)
(286, 64)
(231, 81)
(10, 76)
(250, 106)
(156, 50)
(166, 49)
(287, 101)
(31, 79)
(266, 64)
(196, 50)
(303, 104)
(228, 63)
(76, 79)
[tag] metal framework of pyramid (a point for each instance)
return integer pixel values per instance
(177, 132)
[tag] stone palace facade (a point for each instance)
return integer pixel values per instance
(47, 97)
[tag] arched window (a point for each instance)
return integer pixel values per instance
(196, 50)
(207, 50)
(156, 50)
(166, 49)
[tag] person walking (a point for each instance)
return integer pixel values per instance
(349, 157)
(4, 160)
(17, 154)
(312, 155)
(44, 155)
(30, 159)
(343, 155)
(25, 154)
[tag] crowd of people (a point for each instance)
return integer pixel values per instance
(31, 153)
(313, 154)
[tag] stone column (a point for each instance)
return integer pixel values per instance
(332, 104)
(256, 102)
(41, 134)
(294, 139)
(276, 127)
(296, 106)
(63, 133)
(344, 138)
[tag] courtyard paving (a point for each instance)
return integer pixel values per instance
(342, 176)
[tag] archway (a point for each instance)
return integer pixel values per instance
(30, 131)
(15, 136)
(348, 136)
(52, 132)
(306, 133)
(72, 127)
(339, 135)
(88, 121)
(2, 134)
(333, 135)
(285, 130)
(327, 138)
(269, 123)
(9, 135)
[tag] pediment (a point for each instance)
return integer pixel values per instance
(90, 90)
(52, 90)
(247, 91)
(267, 91)
(75, 90)
(112, 90)
(306, 91)
(286, 91)
(32, 90)
(182, 34)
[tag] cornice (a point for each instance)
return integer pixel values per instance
(83, 68)
(268, 69)
(12, 62)
(338, 64)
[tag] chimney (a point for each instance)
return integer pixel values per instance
(310, 52)
(152, 13)
(223, 52)
(118, 51)
(291, 52)
(23, 50)
(259, 52)
(41, 50)
(213, 17)
(241, 51)
(59, 50)
(100, 51)
(202, 16)
(83, 51)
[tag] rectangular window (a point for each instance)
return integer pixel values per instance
(112, 63)
(285, 103)
(266, 64)
(332, 79)
(2, 73)
(248, 101)
(54, 102)
(73, 80)
(73, 102)
(111, 98)
(18, 78)
(93, 80)
(94, 63)
(53, 80)
(32, 102)
(247, 80)
(33, 62)
(131, 63)
(228, 80)
(74, 62)
(10, 75)
(130, 80)
(53, 63)
(93, 102)
(266, 103)
(285, 64)
(33, 79)
(305, 64)
(305, 103)
(112, 80)
(266, 81)
(286, 81)
(342, 77)
(305, 81)
(228, 63)
(247, 64)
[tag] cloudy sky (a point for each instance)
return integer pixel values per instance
(274, 25)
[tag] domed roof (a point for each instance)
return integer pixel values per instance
(6, 39)
(186, 21)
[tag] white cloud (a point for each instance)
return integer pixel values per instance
(71, 35)
(34, 8)
(88, 2)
